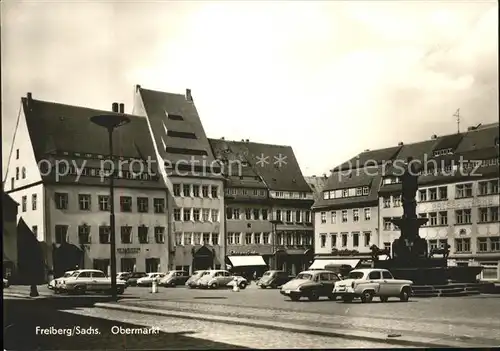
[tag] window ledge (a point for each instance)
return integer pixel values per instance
(488, 222)
(491, 194)
(464, 197)
(436, 226)
(468, 223)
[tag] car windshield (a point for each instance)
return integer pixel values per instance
(75, 274)
(355, 275)
(305, 276)
(198, 273)
(206, 273)
(68, 274)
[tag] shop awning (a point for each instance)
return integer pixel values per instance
(322, 263)
(247, 261)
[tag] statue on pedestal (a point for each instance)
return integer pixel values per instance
(409, 191)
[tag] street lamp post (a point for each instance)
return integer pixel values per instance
(275, 223)
(111, 122)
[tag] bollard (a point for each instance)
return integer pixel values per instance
(154, 287)
(236, 288)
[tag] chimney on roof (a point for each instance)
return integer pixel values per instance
(137, 87)
(324, 175)
(121, 108)
(188, 95)
(400, 143)
(243, 140)
(222, 138)
(366, 150)
(247, 140)
(434, 136)
(114, 107)
(28, 95)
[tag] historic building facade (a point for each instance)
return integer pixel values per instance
(458, 193)
(268, 219)
(192, 176)
(59, 177)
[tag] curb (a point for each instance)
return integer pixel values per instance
(344, 334)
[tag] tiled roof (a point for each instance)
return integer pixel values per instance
(449, 142)
(358, 178)
(237, 168)
(57, 129)
(482, 138)
(184, 119)
(280, 176)
(369, 158)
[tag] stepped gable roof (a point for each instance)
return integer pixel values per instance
(177, 128)
(60, 131)
(369, 158)
(237, 168)
(371, 177)
(263, 158)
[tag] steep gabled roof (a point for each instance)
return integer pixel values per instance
(481, 138)
(449, 142)
(237, 168)
(60, 131)
(177, 128)
(370, 158)
(264, 160)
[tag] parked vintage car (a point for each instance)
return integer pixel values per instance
(193, 280)
(123, 275)
(89, 280)
(238, 280)
(148, 279)
(55, 283)
(274, 279)
(134, 277)
(215, 278)
(174, 278)
(311, 284)
(371, 282)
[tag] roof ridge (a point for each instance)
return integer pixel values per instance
(249, 142)
(78, 106)
(160, 91)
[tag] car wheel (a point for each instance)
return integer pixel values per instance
(332, 297)
(295, 297)
(213, 285)
(405, 295)
(384, 298)
(347, 298)
(367, 297)
(313, 296)
(243, 285)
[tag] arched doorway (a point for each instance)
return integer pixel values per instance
(66, 257)
(203, 258)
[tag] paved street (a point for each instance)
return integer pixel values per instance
(469, 319)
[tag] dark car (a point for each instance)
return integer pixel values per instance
(174, 278)
(274, 279)
(132, 279)
(311, 284)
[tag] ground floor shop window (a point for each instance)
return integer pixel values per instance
(102, 265)
(152, 265)
(127, 264)
(490, 271)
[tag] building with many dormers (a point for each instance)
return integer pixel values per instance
(458, 192)
(265, 183)
(55, 173)
(192, 176)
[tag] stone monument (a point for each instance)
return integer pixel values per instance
(410, 258)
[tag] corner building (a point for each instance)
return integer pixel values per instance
(55, 173)
(192, 177)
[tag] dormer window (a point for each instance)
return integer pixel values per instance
(326, 195)
(443, 152)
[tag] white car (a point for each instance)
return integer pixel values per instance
(238, 280)
(91, 280)
(215, 278)
(371, 282)
(148, 279)
(55, 283)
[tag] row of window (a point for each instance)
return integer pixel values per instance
(284, 239)
(24, 203)
(128, 264)
(289, 194)
(247, 213)
(344, 239)
(195, 190)
(84, 236)
(348, 192)
(126, 203)
(296, 216)
(245, 192)
(196, 215)
(491, 244)
(367, 215)
(196, 239)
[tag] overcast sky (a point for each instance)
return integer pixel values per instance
(329, 78)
